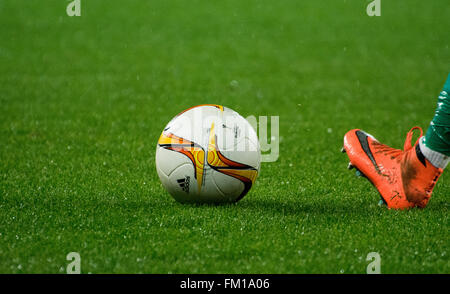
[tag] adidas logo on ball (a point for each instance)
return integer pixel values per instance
(184, 183)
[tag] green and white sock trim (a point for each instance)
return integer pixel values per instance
(437, 159)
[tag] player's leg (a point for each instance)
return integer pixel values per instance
(404, 178)
(436, 143)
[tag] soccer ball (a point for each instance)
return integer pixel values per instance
(208, 154)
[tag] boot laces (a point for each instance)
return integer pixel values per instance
(409, 136)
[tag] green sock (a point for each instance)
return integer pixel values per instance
(437, 137)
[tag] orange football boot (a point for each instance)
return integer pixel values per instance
(404, 178)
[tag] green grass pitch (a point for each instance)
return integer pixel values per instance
(83, 101)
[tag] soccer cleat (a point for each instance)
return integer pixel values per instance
(404, 178)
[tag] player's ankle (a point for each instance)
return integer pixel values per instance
(436, 158)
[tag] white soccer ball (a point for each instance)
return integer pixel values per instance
(208, 154)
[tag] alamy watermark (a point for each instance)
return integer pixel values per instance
(74, 267)
(374, 8)
(74, 8)
(374, 267)
(232, 132)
